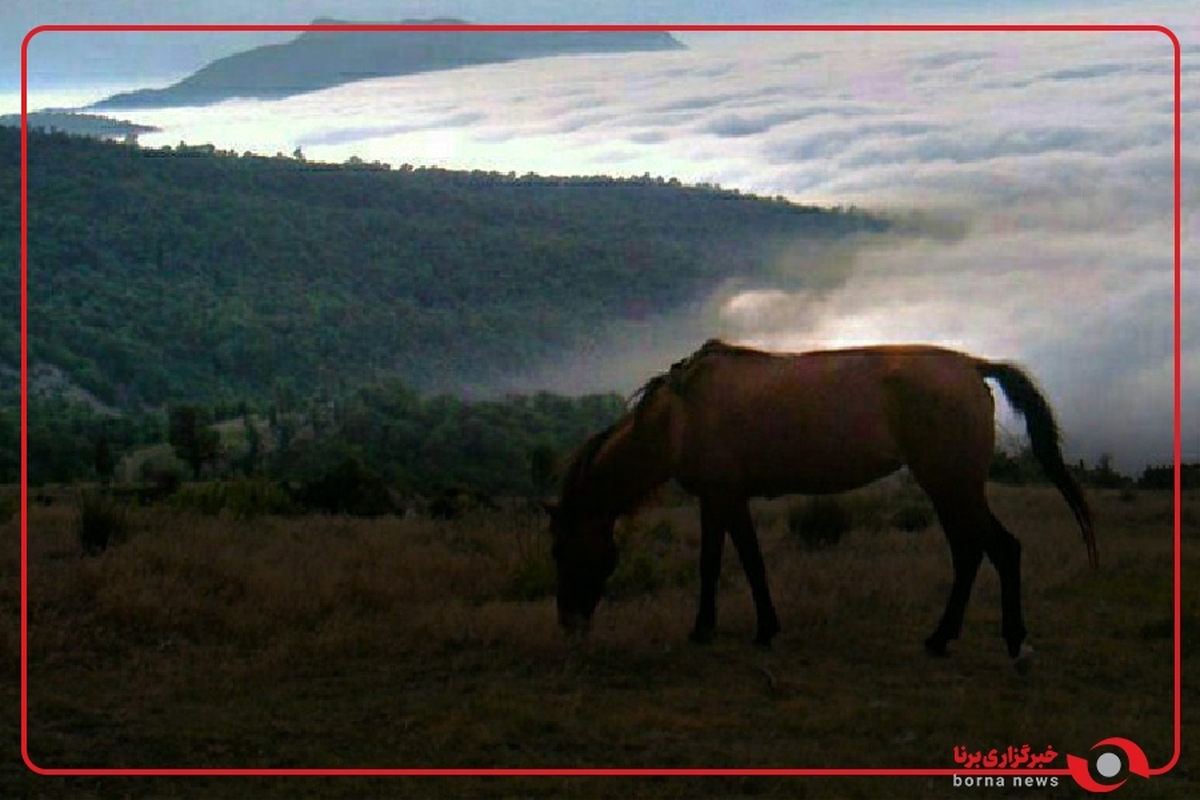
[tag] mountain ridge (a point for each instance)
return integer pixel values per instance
(322, 59)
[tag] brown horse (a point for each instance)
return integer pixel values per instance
(730, 423)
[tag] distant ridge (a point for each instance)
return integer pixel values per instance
(94, 125)
(321, 59)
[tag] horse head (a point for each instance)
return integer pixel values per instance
(585, 555)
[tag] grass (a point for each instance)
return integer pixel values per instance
(332, 642)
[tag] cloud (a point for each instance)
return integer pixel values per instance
(344, 135)
(1049, 155)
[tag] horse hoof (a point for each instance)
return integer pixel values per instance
(1024, 660)
(766, 632)
(936, 649)
(763, 640)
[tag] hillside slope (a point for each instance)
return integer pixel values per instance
(192, 275)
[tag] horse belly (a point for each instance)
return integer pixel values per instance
(829, 456)
(832, 443)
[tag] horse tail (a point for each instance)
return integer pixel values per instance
(1024, 397)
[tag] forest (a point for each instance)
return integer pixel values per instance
(188, 276)
(191, 275)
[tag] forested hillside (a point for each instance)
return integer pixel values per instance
(190, 275)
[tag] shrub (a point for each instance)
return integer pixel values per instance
(913, 517)
(349, 488)
(9, 506)
(532, 578)
(245, 498)
(819, 522)
(454, 502)
(870, 510)
(661, 536)
(204, 498)
(165, 482)
(252, 497)
(100, 520)
(638, 572)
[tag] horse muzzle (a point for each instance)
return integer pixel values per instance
(574, 624)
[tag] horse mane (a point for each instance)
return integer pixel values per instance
(576, 468)
(675, 379)
(679, 375)
(577, 464)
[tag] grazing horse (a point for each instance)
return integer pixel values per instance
(729, 423)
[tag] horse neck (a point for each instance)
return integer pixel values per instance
(631, 465)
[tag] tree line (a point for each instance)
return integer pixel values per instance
(410, 441)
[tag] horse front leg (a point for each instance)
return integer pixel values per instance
(712, 546)
(966, 554)
(745, 540)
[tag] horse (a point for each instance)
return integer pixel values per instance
(729, 423)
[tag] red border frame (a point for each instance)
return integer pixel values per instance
(597, 28)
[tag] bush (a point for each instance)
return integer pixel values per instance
(100, 521)
(819, 522)
(246, 498)
(454, 502)
(349, 488)
(204, 498)
(9, 506)
(252, 497)
(532, 578)
(637, 573)
(165, 482)
(913, 517)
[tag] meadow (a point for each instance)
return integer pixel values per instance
(330, 642)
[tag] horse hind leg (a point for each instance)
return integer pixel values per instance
(1004, 551)
(972, 533)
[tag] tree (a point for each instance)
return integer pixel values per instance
(194, 442)
(103, 459)
(543, 466)
(253, 447)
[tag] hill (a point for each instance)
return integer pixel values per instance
(191, 275)
(321, 59)
(79, 124)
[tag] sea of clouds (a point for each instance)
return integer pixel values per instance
(1039, 165)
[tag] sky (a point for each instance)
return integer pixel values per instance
(1039, 167)
(95, 59)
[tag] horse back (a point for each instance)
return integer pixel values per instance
(822, 422)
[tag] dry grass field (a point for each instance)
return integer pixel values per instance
(325, 642)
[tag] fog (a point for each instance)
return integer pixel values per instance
(1039, 163)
